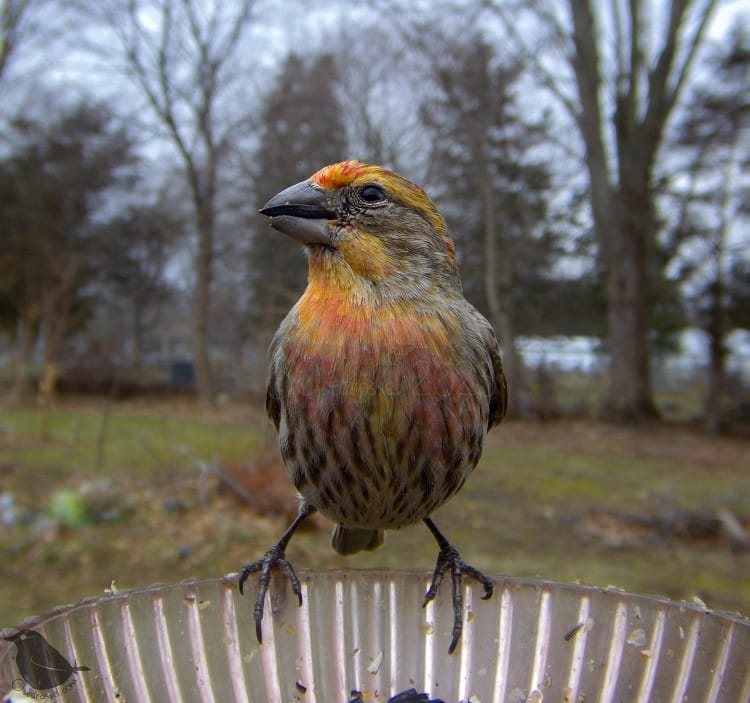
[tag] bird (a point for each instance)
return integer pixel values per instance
(41, 665)
(383, 379)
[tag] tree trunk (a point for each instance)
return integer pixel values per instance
(55, 322)
(21, 386)
(512, 361)
(501, 319)
(622, 218)
(621, 227)
(716, 328)
(714, 420)
(136, 357)
(202, 301)
(630, 396)
(50, 372)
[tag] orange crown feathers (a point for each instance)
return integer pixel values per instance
(340, 174)
(348, 173)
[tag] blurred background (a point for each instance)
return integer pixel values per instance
(591, 159)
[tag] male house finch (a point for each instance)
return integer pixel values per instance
(383, 378)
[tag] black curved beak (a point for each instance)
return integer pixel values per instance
(300, 212)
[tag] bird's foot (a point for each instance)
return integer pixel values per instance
(274, 557)
(449, 559)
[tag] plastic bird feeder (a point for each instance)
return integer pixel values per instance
(364, 636)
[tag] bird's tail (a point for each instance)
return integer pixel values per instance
(350, 540)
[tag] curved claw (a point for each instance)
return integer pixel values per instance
(487, 583)
(437, 578)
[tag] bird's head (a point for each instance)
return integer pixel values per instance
(23, 636)
(367, 229)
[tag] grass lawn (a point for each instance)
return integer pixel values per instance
(567, 500)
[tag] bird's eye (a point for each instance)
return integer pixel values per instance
(372, 193)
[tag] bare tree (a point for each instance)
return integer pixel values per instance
(620, 90)
(713, 191)
(30, 33)
(184, 56)
(13, 29)
(53, 189)
(380, 89)
(133, 252)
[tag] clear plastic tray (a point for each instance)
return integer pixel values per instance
(366, 632)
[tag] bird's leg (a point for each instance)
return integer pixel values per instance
(276, 556)
(449, 558)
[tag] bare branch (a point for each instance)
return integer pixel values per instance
(620, 58)
(662, 95)
(540, 72)
(14, 29)
(545, 11)
(636, 59)
(684, 70)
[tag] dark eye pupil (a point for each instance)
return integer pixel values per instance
(372, 194)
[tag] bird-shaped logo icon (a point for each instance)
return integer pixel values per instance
(41, 665)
